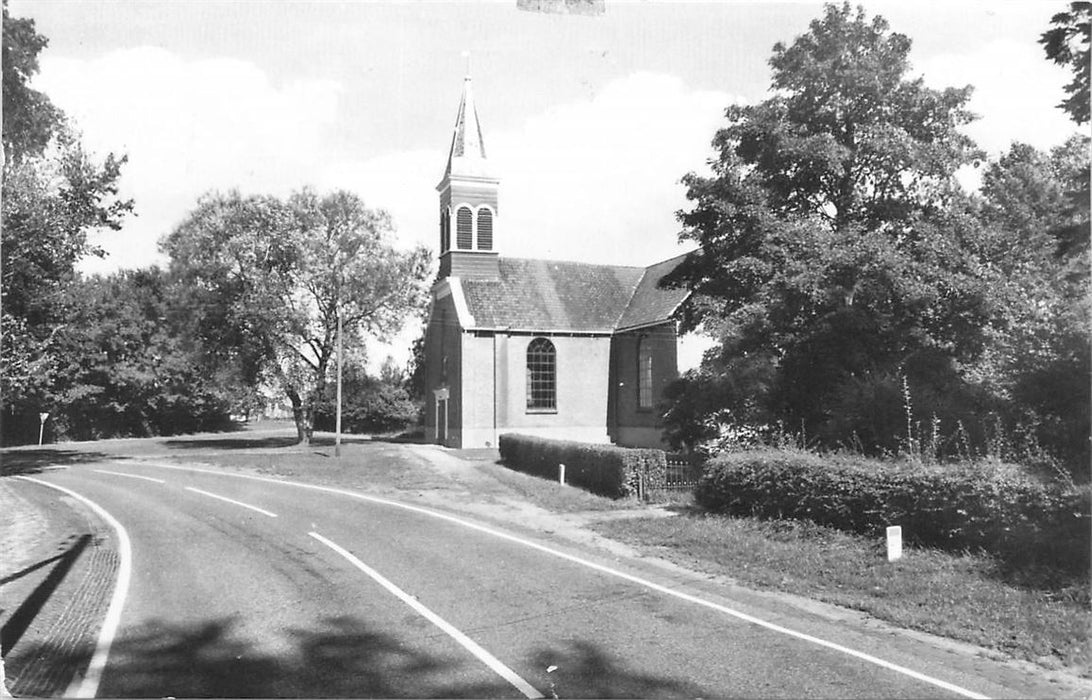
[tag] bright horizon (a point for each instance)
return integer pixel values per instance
(591, 120)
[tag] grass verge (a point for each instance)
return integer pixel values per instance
(1034, 615)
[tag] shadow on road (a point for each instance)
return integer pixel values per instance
(344, 657)
(18, 622)
(584, 670)
(24, 461)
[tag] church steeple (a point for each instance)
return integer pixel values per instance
(468, 199)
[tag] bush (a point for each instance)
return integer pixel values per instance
(603, 469)
(992, 507)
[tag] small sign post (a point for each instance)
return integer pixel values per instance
(41, 426)
(894, 543)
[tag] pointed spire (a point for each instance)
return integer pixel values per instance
(467, 147)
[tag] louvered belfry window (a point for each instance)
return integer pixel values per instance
(541, 375)
(644, 374)
(464, 229)
(485, 229)
(445, 229)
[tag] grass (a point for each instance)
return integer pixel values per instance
(1032, 615)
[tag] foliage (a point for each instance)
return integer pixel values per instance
(841, 262)
(30, 119)
(54, 194)
(380, 404)
(994, 507)
(602, 469)
(267, 279)
(1068, 43)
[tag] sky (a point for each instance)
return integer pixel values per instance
(591, 121)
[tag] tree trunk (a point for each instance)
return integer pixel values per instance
(301, 416)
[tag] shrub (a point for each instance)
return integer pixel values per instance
(992, 507)
(603, 469)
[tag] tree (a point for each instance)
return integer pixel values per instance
(267, 278)
(1068, 43)
(1042, 338)
(54, 194)
(30, 119)
(834, 238)
(124, 368)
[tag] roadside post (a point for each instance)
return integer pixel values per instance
(41, 426)
(561, 473)
(894, 543)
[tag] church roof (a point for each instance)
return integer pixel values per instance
(549, 295)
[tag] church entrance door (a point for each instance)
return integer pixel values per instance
(441, 421)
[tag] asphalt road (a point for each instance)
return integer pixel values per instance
(246, 587)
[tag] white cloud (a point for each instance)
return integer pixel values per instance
(598, 180)
(1016, 90)
(187, 127)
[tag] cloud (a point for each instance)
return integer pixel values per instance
(187, 127)
(1015, 93)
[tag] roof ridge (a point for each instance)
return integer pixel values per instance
(632, 295)
(576, 262)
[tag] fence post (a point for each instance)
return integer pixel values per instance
(561, 473)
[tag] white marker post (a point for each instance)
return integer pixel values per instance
(41, 426)
(561, 473)
(894, 543)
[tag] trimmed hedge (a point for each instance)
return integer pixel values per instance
(603, 469)
(995, 508)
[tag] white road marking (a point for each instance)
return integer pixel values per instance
(469, 644)
(88, 687)
(232, 501)
(131, 476)
(868, 658)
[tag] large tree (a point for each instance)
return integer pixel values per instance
(1069, 43)
(267, 279)
(834, 237)
(54, 195)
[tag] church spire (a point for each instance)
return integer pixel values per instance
(467, 153)
(468, 199)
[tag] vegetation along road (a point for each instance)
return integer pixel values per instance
(242, 581)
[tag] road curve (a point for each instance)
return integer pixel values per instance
(255, 587)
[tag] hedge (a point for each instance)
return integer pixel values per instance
(603, 469)
(995, 508)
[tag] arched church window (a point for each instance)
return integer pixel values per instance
(541, 375)
(464, 229)
(644, 373)
(485, 229)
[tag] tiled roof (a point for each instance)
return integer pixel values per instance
(548, 295)
(650, 304)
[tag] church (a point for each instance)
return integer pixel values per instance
(565, 350)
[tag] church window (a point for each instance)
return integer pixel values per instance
(541, 375)
(644, 374)
(485, 229)
(464, 228)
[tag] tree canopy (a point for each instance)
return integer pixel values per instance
(1069, 43)
(267, 279)
(54, 195)
(832, 229)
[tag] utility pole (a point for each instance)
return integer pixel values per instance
(337, 420)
